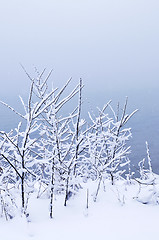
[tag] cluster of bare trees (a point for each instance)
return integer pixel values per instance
(54, 153)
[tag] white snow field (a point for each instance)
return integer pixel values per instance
(118, 213)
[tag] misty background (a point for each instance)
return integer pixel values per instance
(112, 44)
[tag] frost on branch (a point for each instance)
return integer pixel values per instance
(49, 154)
(107, 146)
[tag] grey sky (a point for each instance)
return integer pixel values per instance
(111, 44)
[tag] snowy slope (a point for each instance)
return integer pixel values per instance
(116, 215)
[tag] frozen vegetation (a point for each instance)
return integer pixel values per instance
(68, 178)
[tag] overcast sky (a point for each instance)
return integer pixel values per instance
(111, 44)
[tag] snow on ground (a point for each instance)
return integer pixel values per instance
(116, 215)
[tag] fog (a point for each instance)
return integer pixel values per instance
(111, 44)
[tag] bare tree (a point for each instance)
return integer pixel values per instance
(108, 152)
(19, 148)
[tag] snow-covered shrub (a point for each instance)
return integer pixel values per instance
(61, 145)
(19, 148)
(148, 182)
(8, 207)
(108, 151)
(54, 154)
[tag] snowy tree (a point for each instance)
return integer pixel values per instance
(54, 153)
(58, 138)
(19, 147)
(108, 152)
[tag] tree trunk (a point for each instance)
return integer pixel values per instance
(52, 191)
(66, 193)
(22, 192)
